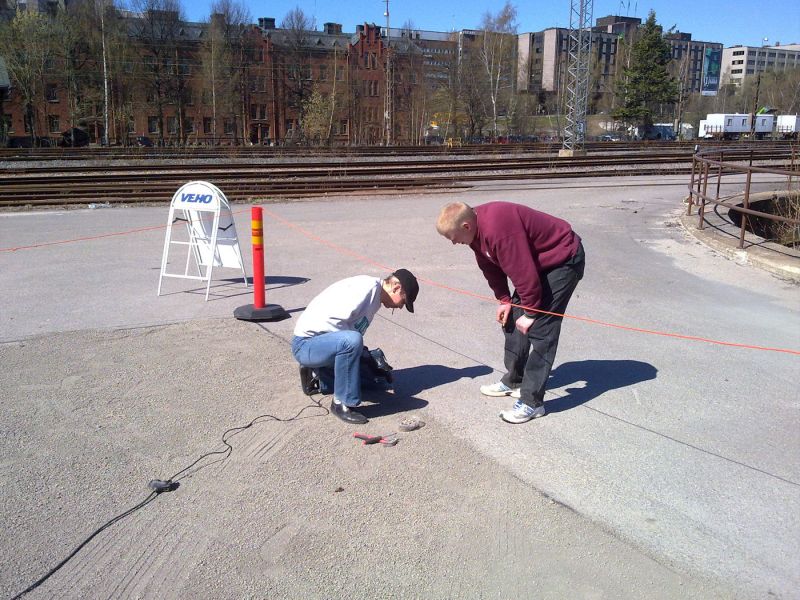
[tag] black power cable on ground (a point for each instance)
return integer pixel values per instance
(159, 486)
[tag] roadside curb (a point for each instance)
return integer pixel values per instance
(722, 235)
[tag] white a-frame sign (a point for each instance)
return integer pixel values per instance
(210, 239)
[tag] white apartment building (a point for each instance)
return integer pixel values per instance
(739, 62)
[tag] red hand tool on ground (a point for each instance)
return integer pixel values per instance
(387, 440)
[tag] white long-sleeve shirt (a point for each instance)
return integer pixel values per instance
(348, 304)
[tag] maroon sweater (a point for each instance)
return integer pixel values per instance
(518, 243)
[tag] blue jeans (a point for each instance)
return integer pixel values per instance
(336, 356)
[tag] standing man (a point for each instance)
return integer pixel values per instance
(544, 260)
(329, 334)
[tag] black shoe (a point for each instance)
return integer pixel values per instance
(346, 414)
(308, 383)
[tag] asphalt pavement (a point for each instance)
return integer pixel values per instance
(665, 468)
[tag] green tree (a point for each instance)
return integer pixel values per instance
(647, 85)
(316, 123)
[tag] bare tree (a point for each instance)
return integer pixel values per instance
(296, 53)
(226, 55)
(473, 86)
(27, 47)
(497, 56)
(78, 46)
(157, 32)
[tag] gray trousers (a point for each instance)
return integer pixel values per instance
(529, 358)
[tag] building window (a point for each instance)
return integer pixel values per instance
(228, 127)
(339, 73)
(131, 125)
(189, 125)
(152, 124)
(735, 71)
(323, 72)
(253, 111)
(5, 126)
(208, 125)
(343, 127)
(738, 52)
(172, 125)
(51, 91)
(52, 124)
(262, 111)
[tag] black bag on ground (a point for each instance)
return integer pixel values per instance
(376, 372)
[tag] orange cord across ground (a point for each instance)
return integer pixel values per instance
(526, 308)
(387, 269)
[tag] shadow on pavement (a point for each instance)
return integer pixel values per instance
(384, 403)
(275, 281)
(600, 376)
(424, 377)
(412, 381)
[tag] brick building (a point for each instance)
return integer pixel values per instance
(172, 97)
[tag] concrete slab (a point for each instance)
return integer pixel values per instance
(665, 468)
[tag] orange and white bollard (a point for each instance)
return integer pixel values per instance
(259, 310)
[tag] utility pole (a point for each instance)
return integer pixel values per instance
(580, 49)
(105, 71)
(683, 94)
(388, 101)
(755, 108)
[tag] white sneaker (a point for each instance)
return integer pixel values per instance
(522, 413)
(499, 389)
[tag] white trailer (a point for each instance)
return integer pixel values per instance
(733, 126)
(764, 126)
(788, 126)
(723, 125)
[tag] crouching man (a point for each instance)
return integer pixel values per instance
(329, 334)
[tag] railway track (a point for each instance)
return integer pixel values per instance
(205, 152)
(245, 178)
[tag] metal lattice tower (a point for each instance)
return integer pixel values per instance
(388, 101)
(579, 56)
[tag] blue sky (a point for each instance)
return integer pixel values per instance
(726, 21)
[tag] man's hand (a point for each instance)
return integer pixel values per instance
(524, 323)
(503, 310)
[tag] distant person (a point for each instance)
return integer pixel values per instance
(544, 260)
(329, 334)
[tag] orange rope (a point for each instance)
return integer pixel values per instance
(367, 260)
(92, 237)
(387, 269)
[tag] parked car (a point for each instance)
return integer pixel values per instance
(609, 137)
(74, 138)
(144, 142)
(30, 142)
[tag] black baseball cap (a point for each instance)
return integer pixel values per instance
(410, 286)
